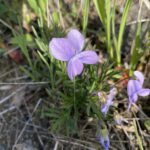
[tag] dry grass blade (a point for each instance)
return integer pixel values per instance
(147, 3)
(11, 95)
(21, 133)
(7, 110)
(24, 83)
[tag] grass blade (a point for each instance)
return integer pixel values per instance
(85, 15)
(100, 7)
(122, 29)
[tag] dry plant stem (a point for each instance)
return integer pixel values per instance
(140, 130)
(48, 14)
(56, 145)
(10, 51)
(12, 94)
(24, 83)
(7, 110)
(147, 3)
(18, 78)
(80, 141)
(137, 119)
(126, 134)
(120, 141)
(19, 136)
(35, 129)
(138, 21)
(77, 144)
(141, 111)
(6, 73)
(138, 136)
(5, 87)
(70, 142)
(112, 148)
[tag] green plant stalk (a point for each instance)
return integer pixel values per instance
(136, 45)
(108, 28)
(135, 50)
(113, 26)
(49, 66)
(74, 95)
(38, 6)
(121, 30)
(44, 49)
(100, 7)
(42, 6)
(104, 11)
(74, 99)
(23, 46)
(33, 4)
(85, 15)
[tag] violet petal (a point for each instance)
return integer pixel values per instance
(105, 142)
(133, 87)
(76, 39)
(133, 98)
(143, 92)
(61, 49)
(104, 109)
(99, 94)
(74, 67)
(139, 76)
(88, 57)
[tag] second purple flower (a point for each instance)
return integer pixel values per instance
(135, 88)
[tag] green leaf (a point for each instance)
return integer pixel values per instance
(56, 19)
(33, 4)
(85, 12)
(122, 29)
(3, 9)
(100, 7)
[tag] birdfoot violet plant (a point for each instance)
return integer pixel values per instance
(70, 49)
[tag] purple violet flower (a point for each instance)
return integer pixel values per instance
(135, 88)
(105, 142)
(70, 49)
(103, 138)
(109, 102)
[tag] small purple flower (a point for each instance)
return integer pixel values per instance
(109, 102)
(103, 138)
(105, 142)
(70, 49)
(135, 88)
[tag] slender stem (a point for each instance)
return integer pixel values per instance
(74, 98)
